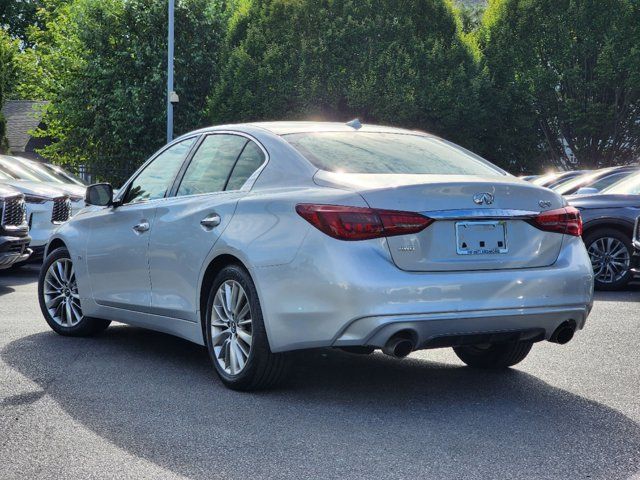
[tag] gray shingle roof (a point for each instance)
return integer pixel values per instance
(22, 116)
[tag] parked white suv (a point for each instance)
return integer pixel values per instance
(46, 208)
(28, 170)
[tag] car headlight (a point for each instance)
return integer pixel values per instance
(36, 199)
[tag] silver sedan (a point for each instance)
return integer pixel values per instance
(259, 239)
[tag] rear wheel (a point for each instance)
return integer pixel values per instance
(610, 254)
(499, 355)
(59, 298)
(236, 336)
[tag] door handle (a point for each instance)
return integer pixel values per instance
(211, 221)
(141, 227)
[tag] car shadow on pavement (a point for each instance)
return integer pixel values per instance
(12, 277)
(630, 294)
(339, 416)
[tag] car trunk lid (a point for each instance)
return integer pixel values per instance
(481, 222)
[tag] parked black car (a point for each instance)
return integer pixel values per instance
(14, 231)
(609, 220)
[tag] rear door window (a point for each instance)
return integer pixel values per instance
(248, 163)
(211, 165)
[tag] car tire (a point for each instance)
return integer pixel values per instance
(69, 322)
(597, 239)
(240, 365)
(494, 356)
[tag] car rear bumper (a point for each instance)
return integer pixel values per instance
(447, 329)
(351, 293)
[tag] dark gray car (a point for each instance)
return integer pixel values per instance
(609, 220)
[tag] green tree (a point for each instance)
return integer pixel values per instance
(401, 63)
(8, 50)
(565, 79)
(17, 15)
(103, 67)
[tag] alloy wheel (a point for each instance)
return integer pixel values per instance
(610, 259)
(61, 293)
(231, 327)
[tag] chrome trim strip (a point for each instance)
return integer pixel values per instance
(483, 213)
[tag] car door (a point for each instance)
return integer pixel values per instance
(117, 247)
(188, 224)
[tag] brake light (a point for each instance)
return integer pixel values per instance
(563, 220)
(357, 223)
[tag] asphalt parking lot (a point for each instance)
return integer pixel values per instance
(137, 404)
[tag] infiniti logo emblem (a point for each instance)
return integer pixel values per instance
(483, 198)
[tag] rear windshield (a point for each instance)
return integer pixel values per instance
(365, 152)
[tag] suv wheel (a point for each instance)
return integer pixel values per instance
(235, 334)
(610, 254)
(59, 298)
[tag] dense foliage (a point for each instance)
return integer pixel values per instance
(17, 16)
(8, 50)
(385, 61)
(530, 83)
(103, 67)
(566, 75)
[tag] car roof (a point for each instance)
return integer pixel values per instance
(286, 128)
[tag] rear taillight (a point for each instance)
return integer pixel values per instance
(563, 220)
(357, 223)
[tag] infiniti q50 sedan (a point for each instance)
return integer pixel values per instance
(263, 238)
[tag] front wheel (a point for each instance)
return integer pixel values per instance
(236, 336)
(59, 298)
(495, 356)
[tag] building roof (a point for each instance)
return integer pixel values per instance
(22, 117)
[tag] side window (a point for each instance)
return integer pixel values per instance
(154, 181)
(249, 161)
(211, 164)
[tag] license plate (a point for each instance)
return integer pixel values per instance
(481, 238)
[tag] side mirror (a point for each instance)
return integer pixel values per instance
(587, 191)
(99, 194)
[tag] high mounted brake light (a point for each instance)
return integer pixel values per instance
(358, 223)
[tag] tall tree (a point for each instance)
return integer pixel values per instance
(8, 49)
(103, 66)
(402, 63)
(16, 16)
(566, 78)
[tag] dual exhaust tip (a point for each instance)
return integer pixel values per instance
(398, 346)
(564, 333)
